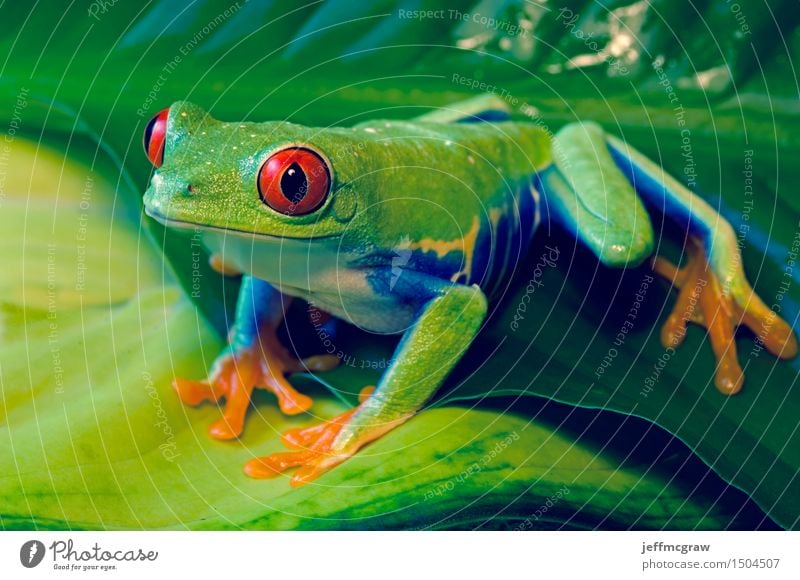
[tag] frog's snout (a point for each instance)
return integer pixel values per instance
(172, 185)
(168, 195)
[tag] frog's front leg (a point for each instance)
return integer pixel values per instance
(254, 357)
(448, 318)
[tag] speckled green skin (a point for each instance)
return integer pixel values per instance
(415, 230)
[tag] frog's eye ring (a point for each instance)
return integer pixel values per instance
(154, 136)
(294, 181)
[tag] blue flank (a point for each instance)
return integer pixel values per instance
(411, 287)
(499, 251)
(442, 268)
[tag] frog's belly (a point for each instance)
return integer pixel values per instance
(362, 308)
(310, 270)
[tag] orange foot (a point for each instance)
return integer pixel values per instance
(234, 376)
(701, 299)
(316, 455)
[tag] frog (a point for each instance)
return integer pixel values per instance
(410, 228)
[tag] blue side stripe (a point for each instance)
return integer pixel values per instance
(657, 194)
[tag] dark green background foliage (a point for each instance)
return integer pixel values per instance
(534, 430)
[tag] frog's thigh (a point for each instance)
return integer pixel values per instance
(588, 194)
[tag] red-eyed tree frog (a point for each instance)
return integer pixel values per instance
(325, 214)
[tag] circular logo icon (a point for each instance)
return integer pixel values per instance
(31, 553)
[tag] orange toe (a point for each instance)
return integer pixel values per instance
(193, 393)
(315, 453)
(290, 401)
(275, 464)
(782, 341)
(223, 430)
(310, 464)
(774, 333)
(274, 364)
(702, 300)
(309, 459)
(719, 315)
(310, 472)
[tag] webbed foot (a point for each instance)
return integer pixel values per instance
(236, 372)
(317, 448)
(705, 300)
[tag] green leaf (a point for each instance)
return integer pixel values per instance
(48, 201)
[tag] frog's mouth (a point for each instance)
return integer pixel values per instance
(173, 223)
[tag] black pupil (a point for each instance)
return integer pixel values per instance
(148, 132)
(294, 184)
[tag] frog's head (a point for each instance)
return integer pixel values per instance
(267, 179)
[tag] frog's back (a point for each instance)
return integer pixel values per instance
(513, 149)
(469, 186)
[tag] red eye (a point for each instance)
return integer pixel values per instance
(154, 135)
(294, 181)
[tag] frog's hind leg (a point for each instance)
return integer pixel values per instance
(713, 288)
(254, 358)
